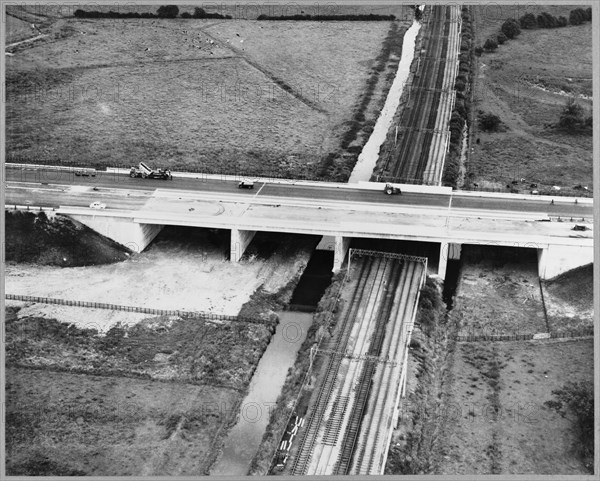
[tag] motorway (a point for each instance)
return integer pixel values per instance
(52, 188)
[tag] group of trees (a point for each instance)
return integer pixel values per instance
(511, 27)
(545, 20)
(164, 11)
(462, 105)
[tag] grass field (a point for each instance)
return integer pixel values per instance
(60, 423)
(499, 423)
(494, 417)
(264, 97)
(527, 82)
(155, 398)
(17, 30)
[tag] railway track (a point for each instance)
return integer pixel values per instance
(313, 423)
(355, 400)
(343, 398)
(364, 386)
(378, 418)
(410, 158)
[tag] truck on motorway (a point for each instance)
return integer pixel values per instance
(142, 170)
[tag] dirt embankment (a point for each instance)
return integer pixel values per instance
(57, 241)
(569, 299)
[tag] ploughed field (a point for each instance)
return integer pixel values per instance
(271, 98)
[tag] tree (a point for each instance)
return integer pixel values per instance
(199, 13)
(186, 15)
(501, 38)
(562, 21)
(577, 16)
(528, 21)
(478, 50)
(489, 122)
(510, 28)
(571, 118)
(575, 401)
(545, 20)
(167, 11)
(490, 45)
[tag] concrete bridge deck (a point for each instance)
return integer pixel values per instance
(138, 208)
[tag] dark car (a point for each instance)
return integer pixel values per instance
(244, 184)
(85, 172)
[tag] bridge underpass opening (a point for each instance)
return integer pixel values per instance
(202, 240)
(315, 278)
(431, 250)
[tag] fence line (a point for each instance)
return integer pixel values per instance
(584, 332)
(210, 316)
(390, 255)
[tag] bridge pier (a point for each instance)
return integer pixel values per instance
(554, 260)
(239, 242)
(339, 252)
(447, 251)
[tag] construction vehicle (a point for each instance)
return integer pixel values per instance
(391, 190)
(145, 172)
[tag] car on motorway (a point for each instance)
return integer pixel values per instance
(85, 172)
(245, 184)
(97, 205)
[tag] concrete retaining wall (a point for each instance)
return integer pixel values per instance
(123, 230)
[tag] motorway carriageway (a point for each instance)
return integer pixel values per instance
(22, 181)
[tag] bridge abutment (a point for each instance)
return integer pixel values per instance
(124, 230)
(554, 260)
(239, 242)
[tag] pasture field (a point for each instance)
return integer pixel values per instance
(17, 30)
(61, 424)
(527, 82)
(272, 97)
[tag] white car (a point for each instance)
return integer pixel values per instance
(97, 205)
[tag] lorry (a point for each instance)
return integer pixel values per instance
(142, 170)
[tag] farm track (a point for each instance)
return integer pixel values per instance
(423, 124)
(341, 423)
